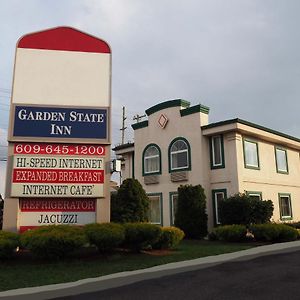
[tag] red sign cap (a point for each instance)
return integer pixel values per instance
(65, 39)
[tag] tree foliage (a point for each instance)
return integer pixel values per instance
(130, 204)
(191, 214)
(242, 209)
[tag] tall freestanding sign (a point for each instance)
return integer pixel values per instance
(59, 131)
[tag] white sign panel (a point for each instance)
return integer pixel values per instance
(39, 212)
(57, 176)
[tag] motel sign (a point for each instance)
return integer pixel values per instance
(59, 131)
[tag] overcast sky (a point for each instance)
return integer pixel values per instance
(239, 57)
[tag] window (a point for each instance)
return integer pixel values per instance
(251, 158)
(151, 160)
(255, 195)
(217, 152)
(281, 160)
(173, 206)
(218, 195)
(285, 206)
(179, 155)
(155, 209)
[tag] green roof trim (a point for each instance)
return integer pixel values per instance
(194, 109)
(251, 125)
(167, 104)
(123, 146)
(139, 125)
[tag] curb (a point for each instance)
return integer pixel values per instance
(129, 277)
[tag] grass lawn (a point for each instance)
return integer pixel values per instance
(24, 271)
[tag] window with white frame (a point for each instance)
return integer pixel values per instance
(217, 156)
(218, 196)
(155, 212)
(281, 160)
(285, 206)
(179, 155)
(255, 195)
(251, 154)
(174, 202)
(151, 160)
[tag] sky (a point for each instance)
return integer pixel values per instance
(241, 58)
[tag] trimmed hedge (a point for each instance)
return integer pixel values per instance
(9, 241)
(229, 233)
(105, 236)
(293, 224)
(274, 232)
(170, 238)
(139, 236)
(53, 241)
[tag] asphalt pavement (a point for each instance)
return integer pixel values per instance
(265, 272)
(270, 277)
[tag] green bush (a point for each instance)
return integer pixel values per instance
(139, 236)
(130, 204)
(242, 209)
(293, 224)
(170, 238)
(261, 211)
(191, 214)
(106, 236)
(230, 233)
(53, 241)
(9, 241)
(274, 232)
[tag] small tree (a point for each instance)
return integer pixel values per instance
(191, 214)
(242, 209)
(235, 210)
(261, 211)
(130, 204)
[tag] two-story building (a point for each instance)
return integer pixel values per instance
(177, 145)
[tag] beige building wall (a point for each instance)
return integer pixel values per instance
(234, 177)
(268, 181)
(188, 127)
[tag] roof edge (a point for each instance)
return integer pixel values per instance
(167, 104)
(254, 125)
(194, 109)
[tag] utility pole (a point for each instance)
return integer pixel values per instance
(137, 117)
(123, 125)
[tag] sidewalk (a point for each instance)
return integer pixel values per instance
(125, 278)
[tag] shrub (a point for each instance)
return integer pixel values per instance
(105, 236)
(242, 209)
(293, 224)
(140, 236)
(191, 214)
(261, 211)
(131, 203)
(53, 241)
(9, 241)
(170, 238)
(274, 232)
(230, 233)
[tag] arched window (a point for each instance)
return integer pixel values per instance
(151, 160)
(179, 155)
